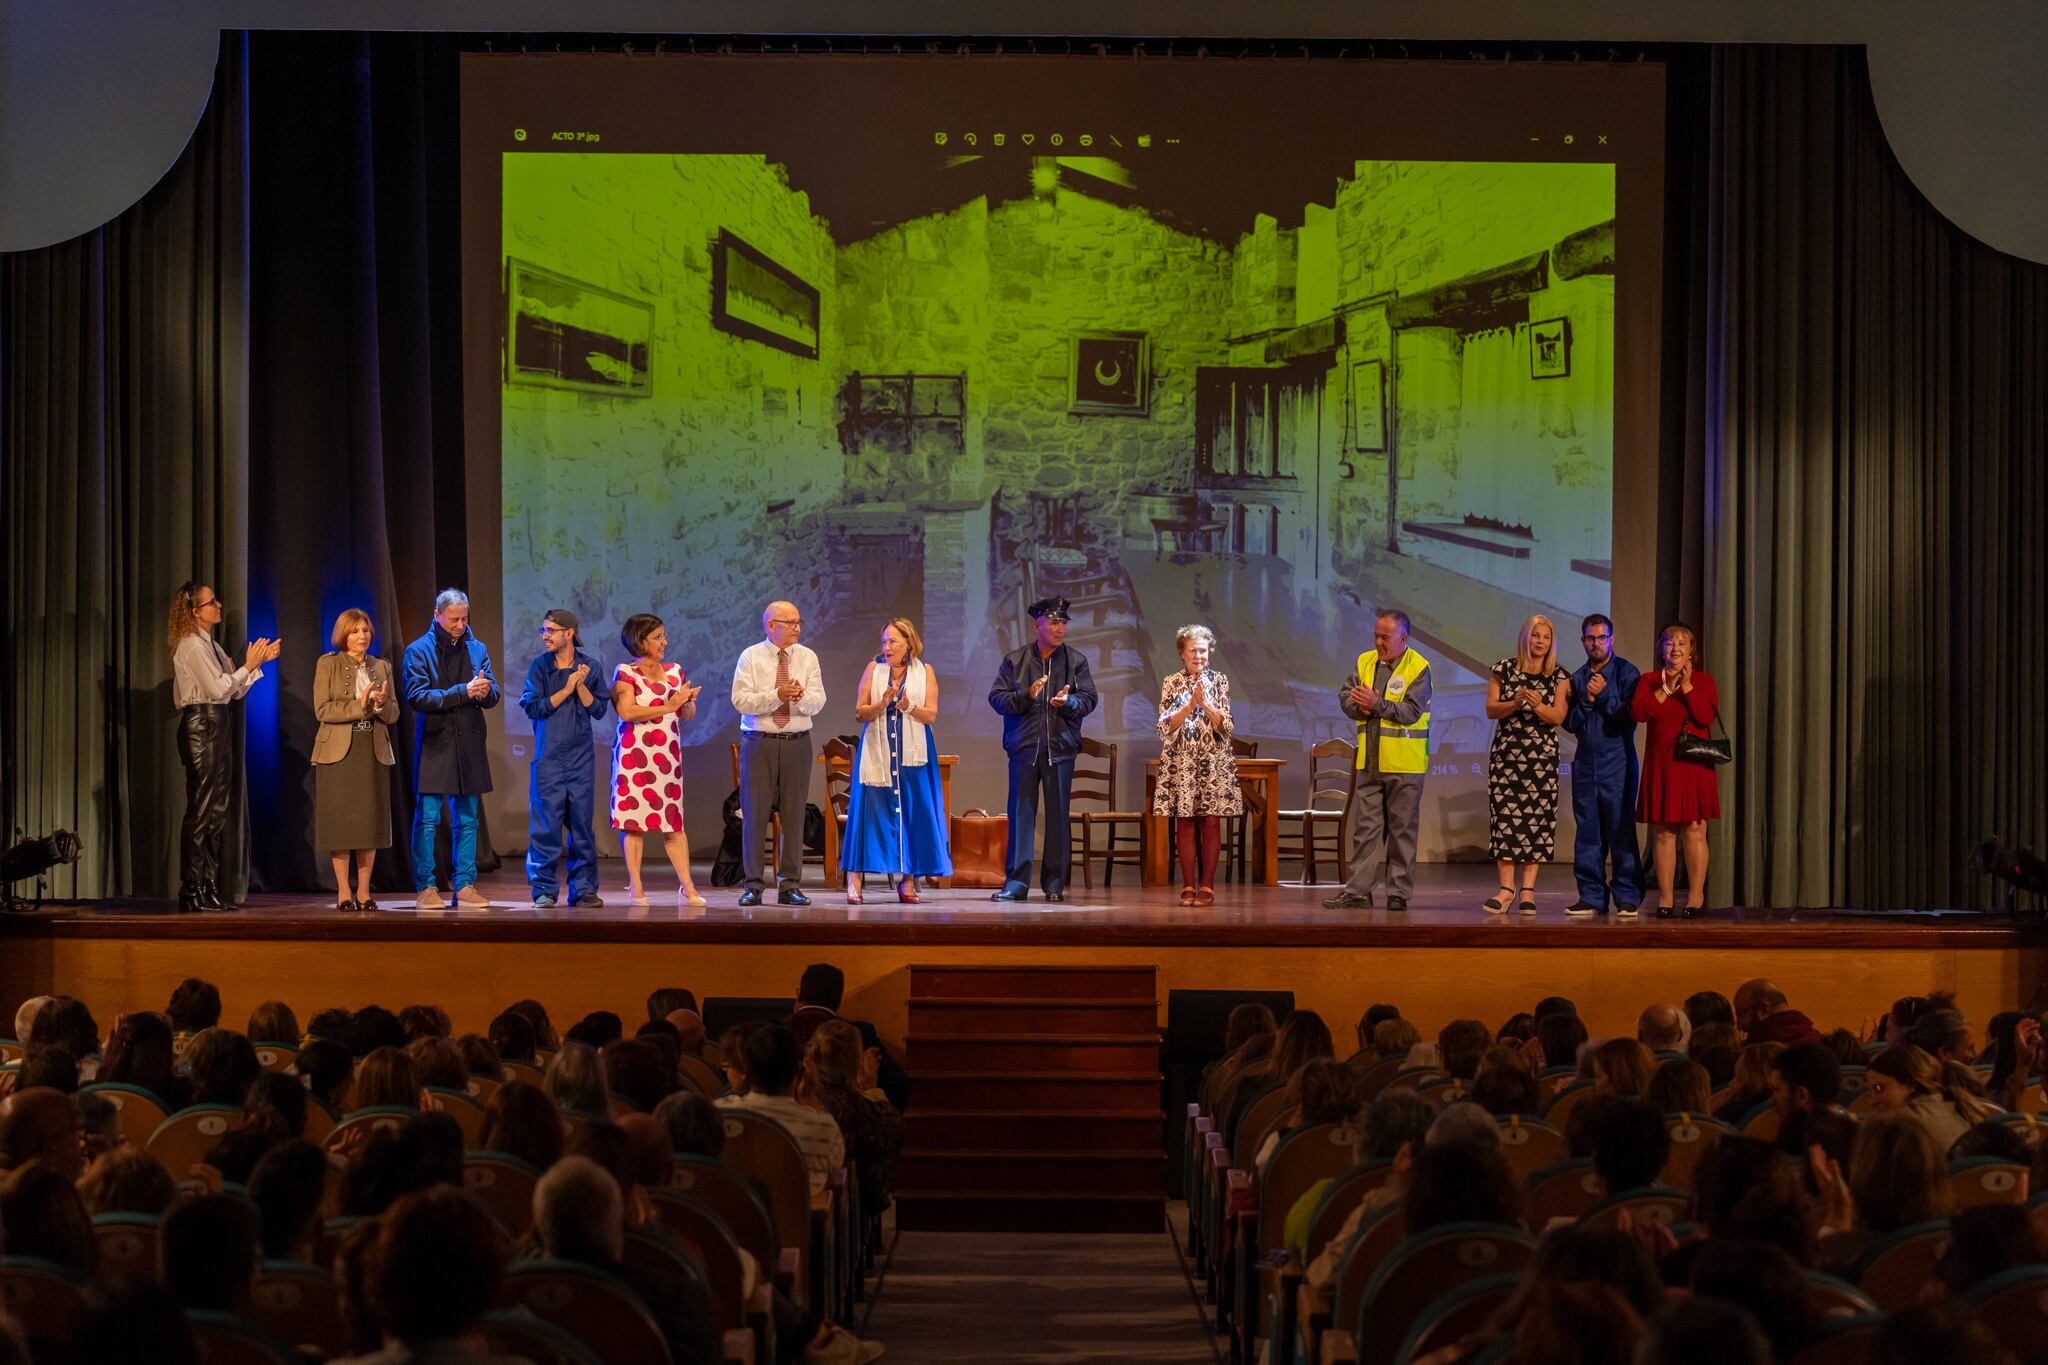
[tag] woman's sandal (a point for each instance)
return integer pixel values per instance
(1187, 895)
(1205, 896)
(1528, 903)
(906, 891)
(1498, 905)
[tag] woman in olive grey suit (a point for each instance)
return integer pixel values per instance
(356, 700)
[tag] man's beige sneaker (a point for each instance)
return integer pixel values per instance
(471, 897)
(430, 899)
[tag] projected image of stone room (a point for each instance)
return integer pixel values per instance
(946, 393)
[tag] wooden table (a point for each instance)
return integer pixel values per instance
(838, 768)
(1259, 779)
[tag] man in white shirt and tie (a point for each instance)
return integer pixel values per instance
(777, 687)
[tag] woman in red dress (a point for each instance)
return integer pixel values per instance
(1677, 798)
(647, 757)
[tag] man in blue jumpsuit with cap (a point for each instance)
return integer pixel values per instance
(1604, 775)
(561, 701)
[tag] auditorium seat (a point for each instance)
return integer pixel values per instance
(530, 1072)
(759, 1147)
(276, 1057)
(1305, 1156)
(702, 1075)
(183, 1140)
(1423, 1268)
(1979, 1180)
(1558, 1113)
(1845, 1341)
(1895, 1268)
(1644, 1206)
(357, 1125)
(1455, 1314)
(1761, 1123)
(127, 1243)
(482, 1089)
(1530, 1145)
(503, 1184)
(743, 1303)
(1692, 1137)
(1567, 1190)
(598, 1310)
(300, 1304)
(1383, 1230)
(1829, 1298)
(1439, 1091)
(44, 1298)
(733, 1198)
(227, 1339)
(464, 1109)
(1374, 1078)
(2013, 1306)
(1347, 1189)
(520, 1333)
(138, 1113)
(320, 1121)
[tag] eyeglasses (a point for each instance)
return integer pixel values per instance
(1596, 637)
(209, 602)
(787, 621)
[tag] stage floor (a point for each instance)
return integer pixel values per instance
(1445, 958)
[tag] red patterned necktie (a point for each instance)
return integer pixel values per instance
(782, 712)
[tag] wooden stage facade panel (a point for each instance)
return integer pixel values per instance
(1444, 961)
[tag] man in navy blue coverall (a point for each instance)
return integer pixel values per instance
(1604, 775)
(562, 700)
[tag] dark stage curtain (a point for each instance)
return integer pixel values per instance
(125, 449)
(1856, 525)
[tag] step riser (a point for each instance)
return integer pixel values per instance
(1078, 1174)
(919, 1213)
(1019, 1054)
(1034, 983)
(967, 1019)
(997, 1092)
(952, 1132)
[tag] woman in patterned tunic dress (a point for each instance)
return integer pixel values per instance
(1197, 773)
(647, 757)
(1526, 697)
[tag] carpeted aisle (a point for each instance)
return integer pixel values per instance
(989, 1298)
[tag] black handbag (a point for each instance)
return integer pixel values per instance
(1709, 753)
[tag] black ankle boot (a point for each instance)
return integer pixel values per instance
(189, 900)
(210, 897)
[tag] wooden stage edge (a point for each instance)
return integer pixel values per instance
(1444, 959)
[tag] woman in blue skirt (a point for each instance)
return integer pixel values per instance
(896, 811)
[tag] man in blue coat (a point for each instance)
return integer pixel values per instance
(561, 697)
(449, 686)
(1043, 692)
(1604, 775)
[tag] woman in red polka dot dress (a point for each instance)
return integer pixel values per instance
(647, 757)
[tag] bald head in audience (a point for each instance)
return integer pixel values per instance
(1756, 1001)
(1663, 1028)
(41, 1124)
(578, 1212)
(690, 1025)
(25, 1017)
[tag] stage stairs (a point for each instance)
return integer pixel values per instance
(1035, 1100)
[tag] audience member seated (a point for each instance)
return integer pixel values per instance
(1764, 1016)
(1324, 1091)
(1663, 1028)
(114, 1318)
(1845, 1045)
(437, 1064)
(38, 1124)
(49, 1067)
(1896, 1178)
(385, 1079)
(1943, 1031)
(25, 1015)
(234, 1155)
(424, 1021)
(1752, 1084)
(512, 1035)
(774, 1060)
(1459, 1046)
(479, 1057)
(1907, 1079)
(1622, 1067)
(1993, 1138)
(521, 1121)
(66, 1023)
(819, 993)
(1393, 1129)
(667, 1041)
(328, 1070)
(436, 1267)
(1680, 1085)
(277, 1105)
(1629, 1145)
(99, 1121)
(732, 1046)
(691, 1039)
(1745, 1188)
(127, 1180)
(1805, 1080)
(680, 1299)
(331, 1024)
(1945, 1333)
(223, 1065)
(1561, 1034)
(1461, 1180)
(1394, 1038)
(423, 1152)
(844, 1078)
(194, 1006)
(663, 1001)
(694, 1128)
(1761, 1279)
(273, 1023)
(1696, 1330)
(1518, 1030)
(536, 1014)
(208, 1252)
(41, 1214)
(372, 1027)
(596, 1030)
(636, 1070)
(287, 1187)
(1506, 1086)
(1302, 1039)
(140, 1053)
(574, 1080)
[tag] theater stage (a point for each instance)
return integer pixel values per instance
(1442, 959)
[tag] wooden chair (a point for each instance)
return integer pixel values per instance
(226, 1339)
(772, 836)
(378, 1116)
(1421, 1269)
(11, 1050)
(1846, 1341)
(504, 1186)
(534, 1338)
(732, 1197)
(138, 1113)
(300, 1304)
(1411, 1078)
(1375, 1077)
(1894, 1269)
(276, 1057)
(1383, 1230)
(1978, 1180)
(183, 1140)
(482, 1089)
(1454, 1315)
(1569, 1189)
(45, 1298)
(464, 1108)
(1095, 786)
(740, 1306)
(530, 1072)
(759, 1147)
(839, 757)
(1259, 1115)
(1558, 1113)
(2013, 1306)
(599, 1311)
(127, 1243)
(1347, 1190)
(1692, 1137)
(1320, 1151)
(1439, 1091)
(1643, 1206)
(1761, 1122)
(1331, 773)
(701, 1074)
(1829, 1299)
(1530, 1145)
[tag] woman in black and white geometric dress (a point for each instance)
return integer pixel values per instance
(1526, 698)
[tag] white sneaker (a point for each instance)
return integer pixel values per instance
(841, 1347)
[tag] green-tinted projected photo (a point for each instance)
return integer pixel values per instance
(1401, 394)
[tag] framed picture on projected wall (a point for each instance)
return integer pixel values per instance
(757, 298)
(1550, 348)
(1111, 373)
(562, 333)
(1369, 406)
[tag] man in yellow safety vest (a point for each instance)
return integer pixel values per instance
(1388, 696)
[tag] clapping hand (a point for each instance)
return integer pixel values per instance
(889, 697)
(578, 674)
(479, 686)
(870, 1069)
(1038, 685)
(1527, 699)
(1059, 698)
(373, 699)
(1596, 685)
(684, 696)
(261, 652)
(790, 690)
(1364, 698)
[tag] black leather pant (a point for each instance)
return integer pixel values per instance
(206, 749)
